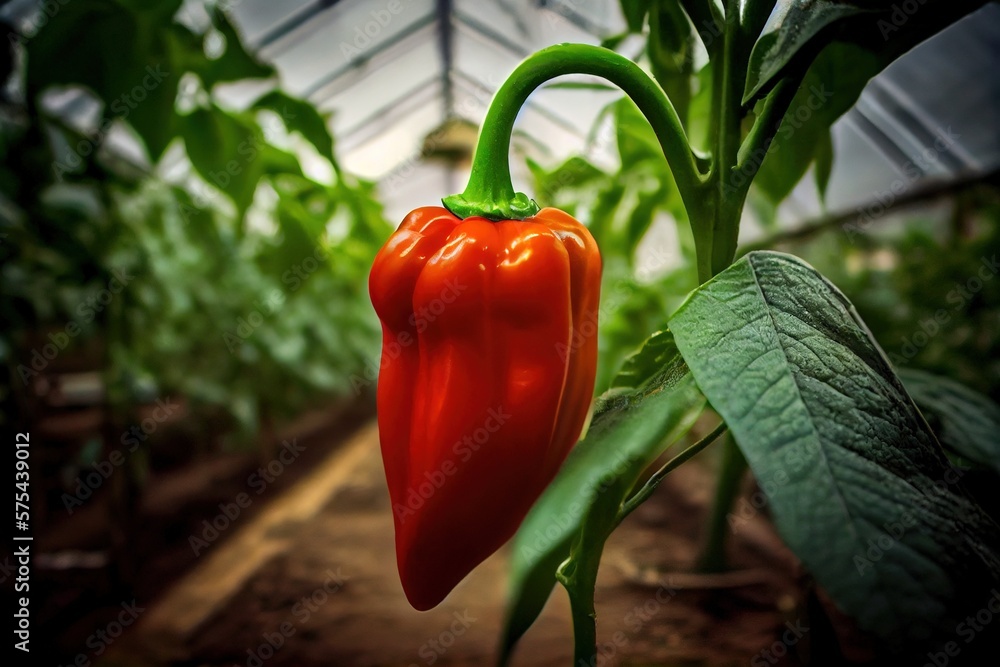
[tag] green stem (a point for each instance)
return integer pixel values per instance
(654, 480)
(765, 127)
(490, 193)
(713, 557)
(727, 182)
(578, 575)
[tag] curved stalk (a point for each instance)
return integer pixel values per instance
(490, 193)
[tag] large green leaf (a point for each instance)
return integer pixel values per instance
(968, 423)
(799, 29)
(859, 487)
(631, 428)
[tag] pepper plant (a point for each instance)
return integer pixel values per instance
(775, 350)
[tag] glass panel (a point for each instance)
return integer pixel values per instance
(257, 18)
(392, 143)
(342, 35)
(374, 87)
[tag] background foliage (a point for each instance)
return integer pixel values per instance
(165, 153)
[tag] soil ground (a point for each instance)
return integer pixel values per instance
(310, 569)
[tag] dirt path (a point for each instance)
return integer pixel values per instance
(315, 576)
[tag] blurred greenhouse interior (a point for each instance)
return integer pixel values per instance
(191, 197)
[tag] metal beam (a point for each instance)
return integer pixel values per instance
(446, 44)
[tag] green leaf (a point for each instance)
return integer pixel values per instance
(225, 150)
(657, 352)
(968, 423)
(236, 62)
(635, 13)
(631, 428)
(573, 173)
(302, 117)
(614, 41)
(834, 81)
(830, 87)
(793, 25)
(858, 486)
(636, 139)
(800, 29)
(754, 18)
(700, 111)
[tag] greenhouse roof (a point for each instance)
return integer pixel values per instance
(392, 72)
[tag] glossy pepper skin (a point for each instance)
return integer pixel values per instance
(488, 365)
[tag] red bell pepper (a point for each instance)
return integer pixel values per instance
(488, 368)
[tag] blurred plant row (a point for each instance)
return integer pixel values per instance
(167, 209)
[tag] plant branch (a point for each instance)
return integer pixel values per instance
(643, 494)
(765, 127)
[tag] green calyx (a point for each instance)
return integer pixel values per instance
(518, 207)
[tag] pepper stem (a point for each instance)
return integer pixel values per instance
(490, 193)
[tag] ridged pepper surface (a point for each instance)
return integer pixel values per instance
(485, 382)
